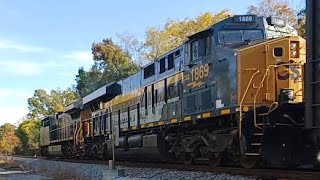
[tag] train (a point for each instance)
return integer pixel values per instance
(232, 93)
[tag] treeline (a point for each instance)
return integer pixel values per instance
(117, 59)
(23, 139)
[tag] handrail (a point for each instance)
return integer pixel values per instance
(261, 85)
(272, 107)
(259, 88)
(74, 135)
(243, 97)
(255, 97)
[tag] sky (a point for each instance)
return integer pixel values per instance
(43, 43)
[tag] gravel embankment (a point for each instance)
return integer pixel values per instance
(67, 170)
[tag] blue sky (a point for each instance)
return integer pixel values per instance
(43, 43)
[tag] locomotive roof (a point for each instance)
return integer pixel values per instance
(105, 92)
(51, 117)
(73, 106)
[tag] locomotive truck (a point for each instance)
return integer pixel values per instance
(234, 92)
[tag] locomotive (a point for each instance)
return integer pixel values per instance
(231, 93)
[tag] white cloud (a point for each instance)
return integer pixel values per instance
(82, 56)
(12, 114)
(6, 44)
(25, 67)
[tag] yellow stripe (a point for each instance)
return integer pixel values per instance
(142, 126)
(206, 115)
(187, 118)
(225, 111)
(174, 120)
(134, 127)
(150, 125)
(160, 123)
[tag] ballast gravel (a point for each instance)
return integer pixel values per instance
(68, 170)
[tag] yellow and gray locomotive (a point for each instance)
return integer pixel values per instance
(234, 91)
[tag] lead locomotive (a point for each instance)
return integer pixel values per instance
(233, 91)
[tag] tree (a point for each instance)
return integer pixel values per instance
(174, 33)
(8, 139)
(302, 23)
(278, 8)
(112, 62)
(29, 135)
(115, 62)
(135, 48)
(281, 9)
(88, 81)
(43, 104)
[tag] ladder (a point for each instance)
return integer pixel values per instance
(256, 139)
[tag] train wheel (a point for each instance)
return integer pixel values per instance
(94, 152)
(214, 159)
(249, 161)
(187, 158)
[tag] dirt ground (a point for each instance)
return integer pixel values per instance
(14, 170)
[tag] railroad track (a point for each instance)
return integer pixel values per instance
(301, 174)
(259, 173)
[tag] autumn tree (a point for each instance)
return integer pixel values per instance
(175, 32)
(43, 104)
(29, 135)
(281, 9)
(8, 139)
(113, 61)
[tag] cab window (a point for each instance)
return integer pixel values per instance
(200, 48)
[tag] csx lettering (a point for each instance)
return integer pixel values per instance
(200, 72)
(187, 77)
(293, 76)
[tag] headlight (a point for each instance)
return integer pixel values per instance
(318, 157)
(286, 95)
(294, 49)
(290, 94)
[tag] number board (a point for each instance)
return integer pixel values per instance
(245, 19)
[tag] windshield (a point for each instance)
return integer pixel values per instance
(234, 36)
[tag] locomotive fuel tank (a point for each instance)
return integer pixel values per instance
(123, 142)
(135, 140)
(142, 147)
